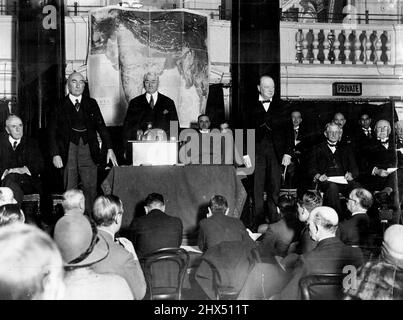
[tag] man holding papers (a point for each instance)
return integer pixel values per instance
(333, 168)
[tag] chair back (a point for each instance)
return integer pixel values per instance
(329, 280)
(177, 256)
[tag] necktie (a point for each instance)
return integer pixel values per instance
(151, 102)
(15, 145)
(296, 134)
(77, 105)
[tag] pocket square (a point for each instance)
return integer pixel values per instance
(165, 111)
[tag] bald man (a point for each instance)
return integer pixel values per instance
(330, 255)
(73, 139)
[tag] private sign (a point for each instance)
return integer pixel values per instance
(347, 89)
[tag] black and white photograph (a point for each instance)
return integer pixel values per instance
(201, 155)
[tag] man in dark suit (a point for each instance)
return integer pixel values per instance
(156, 229)
(73, 140)
(362, 138)
(329, 256)
(218, 227)
(399, 154)
(151, 108)
(299, 140)
(21, 161)
(340, 120)
(329, 160)
(380, 174)
(271, 151)
(354, 231)
(108, 212)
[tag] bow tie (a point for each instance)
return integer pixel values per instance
(332, 145)
(266, 101)
(384, 143)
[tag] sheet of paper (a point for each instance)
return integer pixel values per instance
(254, 236)
(192, 249)
(337, 179)
(390, 170)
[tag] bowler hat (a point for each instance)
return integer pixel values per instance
(393, 241)
(79, 242)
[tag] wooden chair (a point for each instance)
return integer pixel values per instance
(334, 280)
(176, 255)
(32, 199)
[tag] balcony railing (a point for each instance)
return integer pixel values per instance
(322, 43)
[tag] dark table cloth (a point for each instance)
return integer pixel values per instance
(186, 190)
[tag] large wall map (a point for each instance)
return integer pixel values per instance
(126, 43)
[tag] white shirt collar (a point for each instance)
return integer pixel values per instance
(266, 105)
(155, 97)
(11, 139)
(74, 98)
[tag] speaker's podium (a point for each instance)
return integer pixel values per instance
(154, 153)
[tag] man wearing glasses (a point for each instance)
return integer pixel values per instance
(151, 109)
(354, 231)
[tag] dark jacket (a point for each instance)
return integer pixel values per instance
(60, 128)
(139, 113)
(154, 231)
(269, 125)
(226, 264)
(322, 161)
(330, 256)
(26, 154)
(354, 231)
(219, 228)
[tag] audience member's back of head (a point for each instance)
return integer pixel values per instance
(31, 266)
(326, 217)
(218, 205)
(288, 208)
(10, 213)
(311, 200)
(392, 246)
(73, 200)
(154, 201)
(6, 196)
(105, 210)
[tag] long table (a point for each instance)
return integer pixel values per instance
(186, 190)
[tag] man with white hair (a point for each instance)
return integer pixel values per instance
(150, 108)
(382, 279)
(332, 160)
(6, 196)
(21, 161)
(73, 202)
(380, 173)
(330, 255)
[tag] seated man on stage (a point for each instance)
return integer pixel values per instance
(21, 161)
(333, 167)
(380, 173)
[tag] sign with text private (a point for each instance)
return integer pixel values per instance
(347, 88)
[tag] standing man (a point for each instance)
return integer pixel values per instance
(152, 107)
(21, 161)
(271, 151)
(74, 144)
